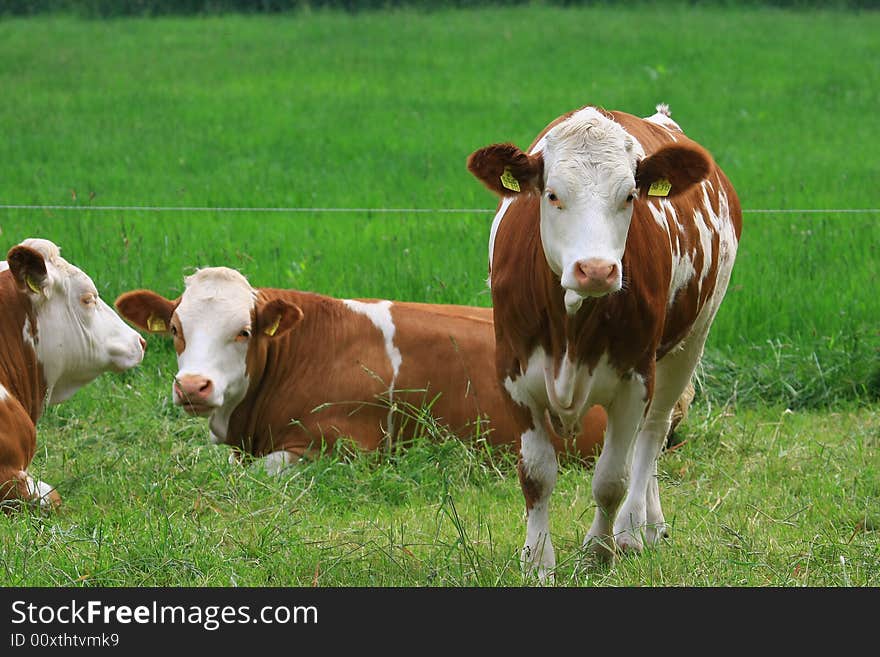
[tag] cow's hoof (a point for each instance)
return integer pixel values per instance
(51, 502)
(654, 534)
(48, 502)
(628, 542)
(541, 566)
(545, 574)
(42, 496)
(600, 551)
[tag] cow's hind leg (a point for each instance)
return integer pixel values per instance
(537, 475)
(611, 476)
(641, 517)
(276, 462)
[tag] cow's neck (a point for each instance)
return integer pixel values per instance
(599, 335)
(20, 371)
(289, 357)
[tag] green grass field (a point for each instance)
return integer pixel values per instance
(380, 110)
(759, 497)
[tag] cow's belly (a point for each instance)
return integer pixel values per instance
(566, 395)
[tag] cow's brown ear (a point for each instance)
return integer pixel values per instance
(28, 267)
(277, 317)
(147, 310)
(506, 170)
(672, 169)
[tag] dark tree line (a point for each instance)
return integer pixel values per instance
(114, 8)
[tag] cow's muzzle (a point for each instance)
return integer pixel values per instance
(194, 394)
(596, 277)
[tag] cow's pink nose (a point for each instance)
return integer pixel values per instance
(596, 275)
(193, 387)
(143, 344)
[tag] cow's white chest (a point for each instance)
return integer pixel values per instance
(567, 394)
(219, 421)
(4, 265)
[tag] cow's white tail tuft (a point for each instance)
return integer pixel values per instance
(663, 109)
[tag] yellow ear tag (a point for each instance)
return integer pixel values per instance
(509, 181)
(660, 188)
(156, 324)
(31, 283)
(270, 330)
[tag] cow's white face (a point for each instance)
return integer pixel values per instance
(78, 336)
(587, 203)
(212, 328)
(587, 171)
(220, 326)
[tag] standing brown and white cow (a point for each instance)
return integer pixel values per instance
(56, 335)
(610, 253)
(278, 373)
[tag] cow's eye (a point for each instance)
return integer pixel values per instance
(554, 200)
(88, 299)
(174, 330)
(630, 197)
(244, 334)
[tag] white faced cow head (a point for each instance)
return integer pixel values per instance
(588, 172)
(216, 323)
(77, 336)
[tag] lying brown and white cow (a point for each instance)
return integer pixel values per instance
(56, 335)
(610, 253)
(279, 372)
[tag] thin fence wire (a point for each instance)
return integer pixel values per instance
(303, 210)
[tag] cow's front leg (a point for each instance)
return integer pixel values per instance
(17, 486)
(42, 494)
(641, 516)
(537, 476)
(611, 476)
(18, 440)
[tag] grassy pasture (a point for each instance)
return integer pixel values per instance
(380, 110)
(759, 497)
